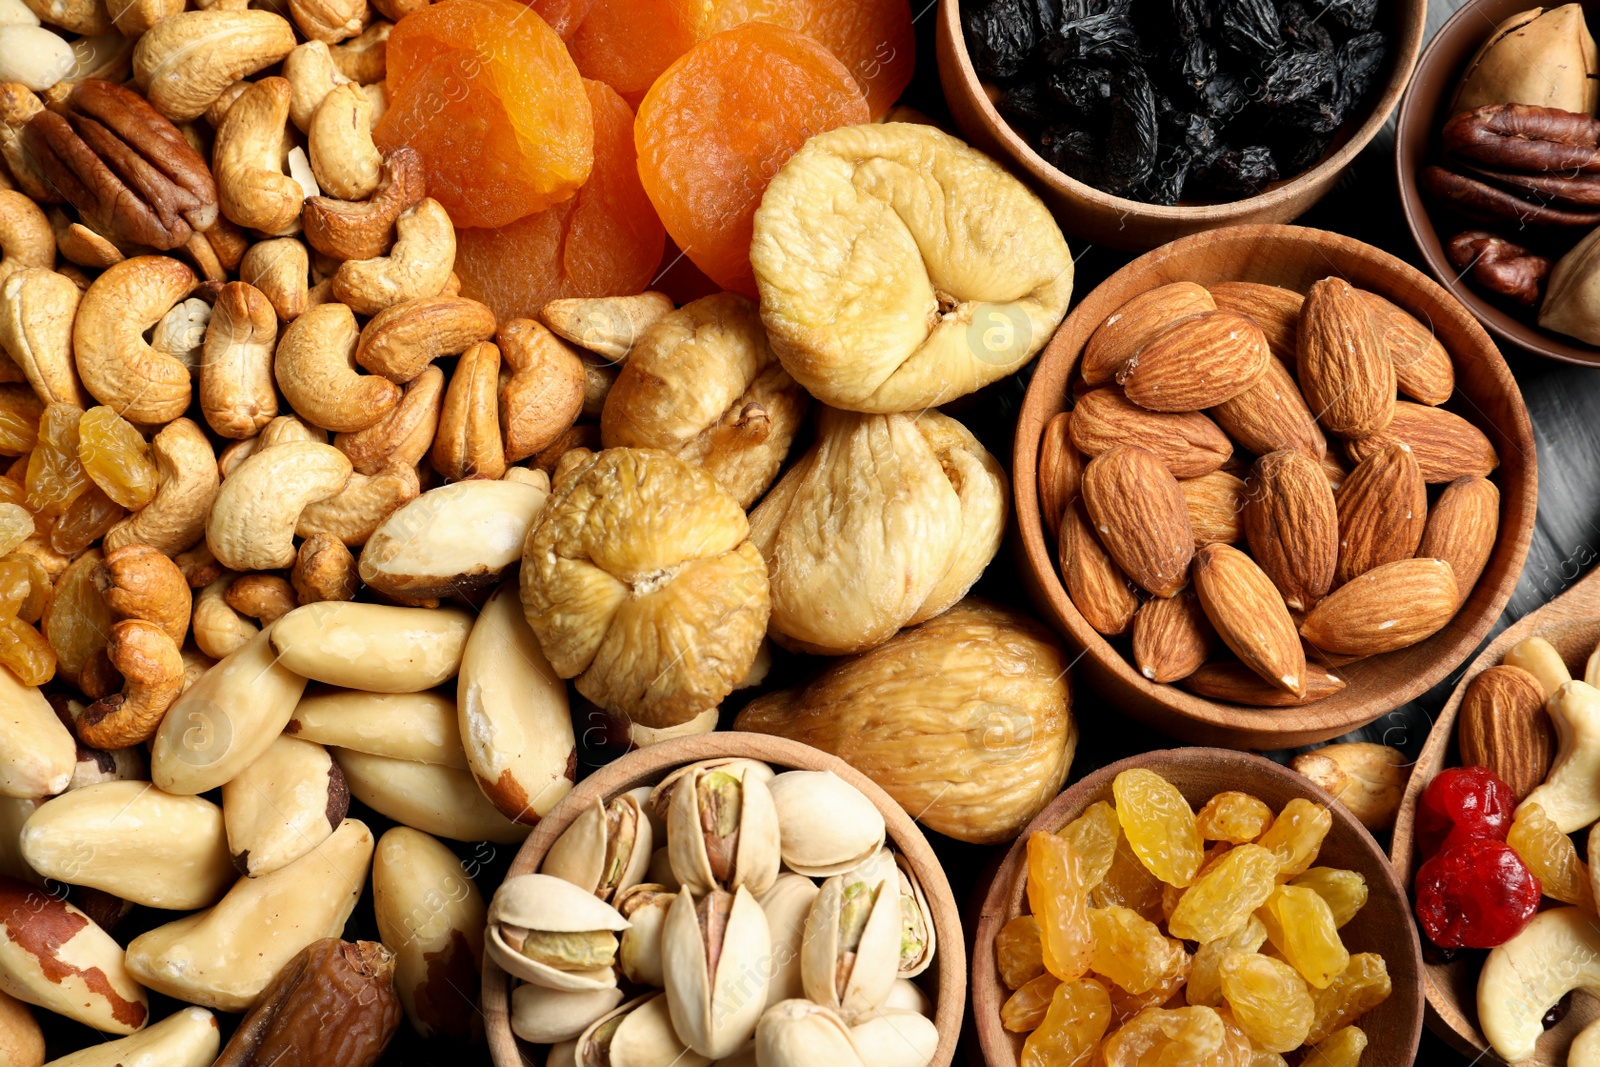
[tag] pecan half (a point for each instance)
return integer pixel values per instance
(1483, 202)
(1499, 266)
(1522, 137)
(127, 170)
(1557, 190)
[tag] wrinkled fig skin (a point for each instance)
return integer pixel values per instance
(333, 1004)
(965, 719)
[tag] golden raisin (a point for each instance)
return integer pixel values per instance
(1025, 1009)
(78, 620)
(16, 526)
(1296, 836)
(1159, 825)
(1078, 1016)
(1234, 817)
(1268, 999)
(1129, 884)
(1342, 1048)
(116, 458)
(1300, 925)
(1551, 856)
(55, 476)
(1132, 952)
(1125, 1005)
(1094, 836)
(85, 522)
(1222, 898)
(1181, 1037)
(1345, 891)
(1060, 902)
(1363, 986)
(12, 492)
(1205, 979)
(19, 419)
(37, 595)
(25, 652)
(1018, 953)
(1237, 1049)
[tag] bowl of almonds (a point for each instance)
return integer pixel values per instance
(1275, 482)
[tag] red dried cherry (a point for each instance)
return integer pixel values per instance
(1476, 893)
(1463, 803)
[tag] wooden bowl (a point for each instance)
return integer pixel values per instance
(1383, 926)
(1486, 395)
(945, 982)
(1571, 623)
(1416, 131)
(1087, 213)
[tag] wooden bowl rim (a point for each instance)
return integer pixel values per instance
(1001, 898)
(1291, 722)
(1420, 106)
(653, 763)
(1412, 29)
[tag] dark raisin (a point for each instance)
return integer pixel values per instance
(1001, 35)
(1027, 101)
(1131, 135)
(1302, 91)
(1354, 15)
(1302, 29)
(1074, 152)
(1241, 172)
(1359, 61)
(1106, 37)
(1298, 150)
(1081, 92)
(1250, 27)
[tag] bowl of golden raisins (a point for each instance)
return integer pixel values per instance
(1198, 906)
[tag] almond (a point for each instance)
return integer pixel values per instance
(1345, 372)
(1215, 501)
(1250, 616)
(1137, 322)
(1461, 530)
(1421, 365)
(1235, 683)
(1335, 470)
(1139, 514)
(1197, 363)
(1292, 525)
(1275, 309)
(1446, 445)
(1060, 468)
(1383, 507)
(1503, 726)
(1270, 415)
(1171, 637)
(1100, 592)
(1388, 607)
(1187, 443)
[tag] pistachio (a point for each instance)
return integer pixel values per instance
(53, 956)
(224, 957)
(660, 870)
(563, 1054)
(283, 805)
(798, 1033)
(187, 1038)
(638, 1034)
(661, 794)
(917, 939)
(906, 995)
(895, 1039)
(435, 799)
(420, 727)
(851, 953)
(605, 850)
(787, 905)
(554, 934)
(714, 957)
(722, 830)
(645, 906)
(642, 736)
(826, 826)
(547, 1016)
(373, 647)
(134, 841)
(431, 915)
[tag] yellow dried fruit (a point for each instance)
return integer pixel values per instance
(1060, 902)
(1094, 836)
(1300, 926)
(86, 521)
(19, 419)
(1159, 825)
(1222, 898)
(1018, 952)
(1129, 884)
(1234, 817)
(1269, 1000)
(1205, 976)
(1345, 891)
(1363, 986)
(116, 457)
(1025, 1009)
(1078, 1016)
(1551, 856)
(1342, 1048)
(1182, 1037)
(26, 652)
(55, 477)
(1296, 836)
(1132, 952)
(37, 595)
(16, 526)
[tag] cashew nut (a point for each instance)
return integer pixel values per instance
(185, 61)
(607, 326)
(400, 341)
(468, 443)
(346, 229)
(364, 58)
(324, 570)
(312, 75)
(1557, 952)
(1570, 795)
(416, 267)
(228, 241)
(251, 527)
(252, 187)
(330, 20)
(395, 10)
(354, 513)
(229, 458)
(219, 630)
(37, 308)
(175, 518)
(402, 436)
(26, 239)
(108, 57)
(115, 363)
(1539, 658)
(139, 582)
(545, 392)
(18, 104)
(316, 369)
(264, 597)
(79, 244)
(291, 428)
(278, 268)
(199, 567)
(152, 671)
(236, 393)
(134, 17)
(218, 108)
(181, 333)
(343, 157)
(88, 17)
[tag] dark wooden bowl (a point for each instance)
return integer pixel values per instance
(1486, 395)
(1089, 214)
(1416, 127)
(945, 982)
(1383, 926)
(1571, 623)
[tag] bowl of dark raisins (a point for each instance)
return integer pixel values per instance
(1142, 121)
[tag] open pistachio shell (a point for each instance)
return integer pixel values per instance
(826, 825)
(799, 1033)
(660, 870)
(895, 1039)
(716, 993)
(644, 736)
(544, 1016)
(917, 939)
(851, 952)
(605, 850)
(563, 1054)
(1542, 57)
(658, 820)
(645, 907)
(906, 995)
(787, 905)
(661, 795)
(550, 932)
(638, 1034)
(1572, 297)
(722, 831)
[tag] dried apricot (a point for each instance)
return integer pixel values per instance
(116, 458)
(1159, 824)
(1363, 986)
(1551, 856)
(605, 241)
(1296, 836)
(1060, 902)
(1205, 980)
(1300, 925)
(564, 16)
(1345, 891)
(1078, 1016)
(486, 93)
(1025, 1009)
(1268, 999)
(1234, 817)
(1018, 952)
(1222, 898)
(628, 43)
(872, 38)
(721, 121)
(1094, 836)
(1132, 952)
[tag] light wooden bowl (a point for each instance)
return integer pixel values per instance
(1571, 623)
(1486, 395)
(945, 982)
(1383, 926)
(1086, 212)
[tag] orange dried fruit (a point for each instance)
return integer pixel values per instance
(605, 241)
(721, 121)
(486, 93)
(564, 16)
(628, 43)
